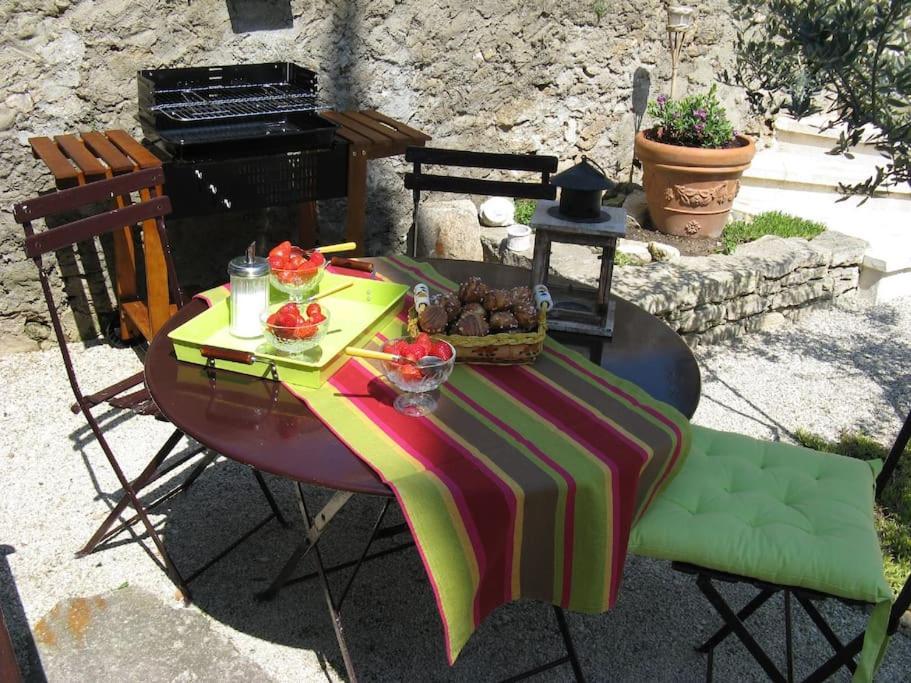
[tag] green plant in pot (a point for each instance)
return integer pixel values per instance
(692, 160)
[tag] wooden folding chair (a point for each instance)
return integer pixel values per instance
(418, 181)
(787, 520)
(129, 393)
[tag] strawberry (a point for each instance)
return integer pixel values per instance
(317, 258)
(281, 251)
(295, 261)
(272, 319)
(317, 318)
(276, 262)
(395, 346)
(424, 341)
(314, 309)
(411, 373)
(413, 352)
(305, 331)
(441, 350)
(307, 270)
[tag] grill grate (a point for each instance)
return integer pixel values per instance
(219, 102)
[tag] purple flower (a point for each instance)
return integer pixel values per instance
(701, 114)
(736, 133)
(700, 127)
(662, 100)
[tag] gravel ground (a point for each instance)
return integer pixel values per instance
(839, 369)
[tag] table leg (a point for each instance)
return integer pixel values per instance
(308, 224)
(357, 199)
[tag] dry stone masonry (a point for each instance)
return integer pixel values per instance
(544, 76)
(713, 298)
(764, 283)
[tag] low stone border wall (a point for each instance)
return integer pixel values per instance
(712, 298)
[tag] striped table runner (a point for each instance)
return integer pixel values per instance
(526, 480)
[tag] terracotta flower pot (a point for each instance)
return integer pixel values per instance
(690, 190)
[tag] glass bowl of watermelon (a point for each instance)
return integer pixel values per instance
(295, 328)
(295, 271)
(426, 364)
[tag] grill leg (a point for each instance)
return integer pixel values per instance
(357, 198)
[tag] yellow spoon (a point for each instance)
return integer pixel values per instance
(425, 362)
(335, 248)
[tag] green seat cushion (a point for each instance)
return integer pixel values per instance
(771, 511)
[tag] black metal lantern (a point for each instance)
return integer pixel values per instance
(581, 188)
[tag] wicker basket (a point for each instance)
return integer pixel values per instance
(504, 348)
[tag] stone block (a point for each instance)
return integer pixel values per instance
(663, 252)
(701, 318)
(778, 256)
(841, 249)
(449, 229)
(744, 306)
(801, 275)
(635, 250)
(767, 287)
(771, 321)
(636, 207)
(795, 296)
(720, 333)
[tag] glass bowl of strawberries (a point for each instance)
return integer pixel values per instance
(295, 271)
(423, 364)
(295, 328)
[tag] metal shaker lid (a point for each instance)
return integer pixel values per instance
(249, 265)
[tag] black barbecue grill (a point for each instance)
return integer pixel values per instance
(240, 137)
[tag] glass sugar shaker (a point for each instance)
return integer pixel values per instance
(249, 293)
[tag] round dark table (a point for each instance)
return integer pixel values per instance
(260, 423)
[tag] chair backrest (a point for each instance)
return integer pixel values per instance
(103, 221)
(418, 181)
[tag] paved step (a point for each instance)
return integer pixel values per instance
(776, 167)
(810, 136)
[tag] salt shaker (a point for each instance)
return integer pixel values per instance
(249, 293)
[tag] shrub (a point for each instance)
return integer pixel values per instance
(768, 223)
(525, 209)
(693, 121)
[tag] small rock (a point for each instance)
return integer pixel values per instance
(635, 250)
(7, 118)
(637, 207)
(449, 229)
(497, 212)
(21, 102)
(772, 321)
(663, 252)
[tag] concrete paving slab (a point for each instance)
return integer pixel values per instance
(132, 635)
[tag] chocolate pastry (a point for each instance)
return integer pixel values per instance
(450, 302)
(520, 295)
(526, 316)
(503, 321)
(472, 325)
(472, 290)
(474, 309)
(433, 319)
(497, 300)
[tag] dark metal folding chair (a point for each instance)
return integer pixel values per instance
(418, 181)
(734, 622)
(129, 393)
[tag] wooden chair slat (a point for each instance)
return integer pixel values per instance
(126, 144)
(76, 197)
(87, 228)
(493, 160)
(113, 157)
(86, 161)
(65, 174)
(497, 188)
(413, 133)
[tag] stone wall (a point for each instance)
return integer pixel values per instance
(712, 298)
(544, 76)
(763, 284)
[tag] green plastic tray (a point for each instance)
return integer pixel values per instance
(356, 315)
